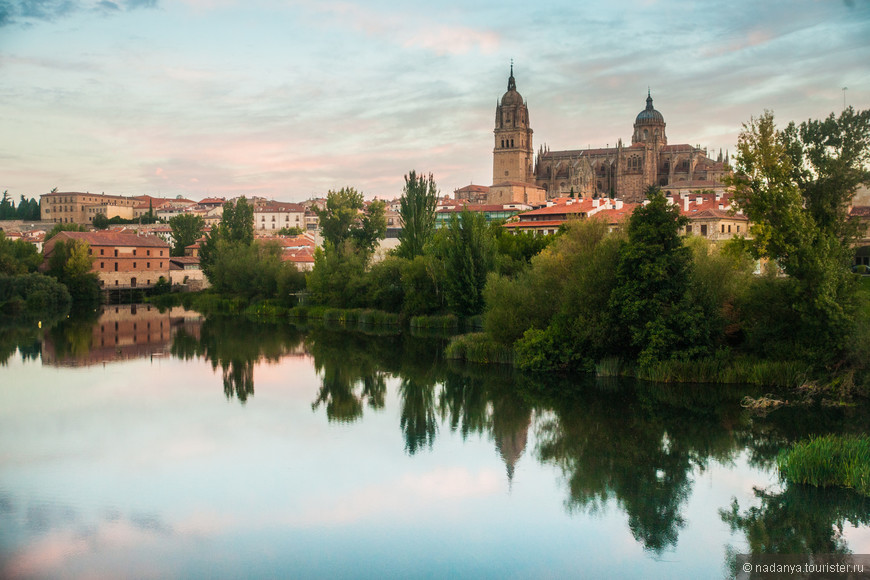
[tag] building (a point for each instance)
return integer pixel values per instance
(121, 260)
(623, 171)
(275, 215)
(81, 208)
(547, 220)
(626, 171)
(492, 212)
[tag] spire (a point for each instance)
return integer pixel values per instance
(512, 84)
(649, 105)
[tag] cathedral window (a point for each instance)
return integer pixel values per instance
(512, 142)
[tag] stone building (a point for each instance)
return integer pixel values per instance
(121, 260)
(624, 171)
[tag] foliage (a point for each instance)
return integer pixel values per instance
(236, 228)
(27, 210)
(831, 460)
(343, 220)
(515, 251)
(287, 231)
(100, 221)
(254, 270)
(417, 210)
(650, 301)
(18, 256)
(795, 186)
(64, 228)
(384, 279)
(32, 295)
(186, 229)
(466, 248)
(422, 284)
(338, 277)
(70, 263)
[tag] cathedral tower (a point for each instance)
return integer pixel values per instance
(512, 155)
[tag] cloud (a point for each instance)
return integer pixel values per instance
(28, 12)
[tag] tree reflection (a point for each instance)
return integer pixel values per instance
(799, 519)
(235, 345)
(636, 447)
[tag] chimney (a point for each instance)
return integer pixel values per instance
(686, 202)
(595, 202)
(699, 200)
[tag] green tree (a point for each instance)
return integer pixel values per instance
(7, 207)
(467, 250)
(64, 228)
(18, 256)
(235, 228)
(186, 229)
(417, 211)
(69, 261)
(345, 218)
(294, 231)
(100, 221)
(795, 187)
(649, 302)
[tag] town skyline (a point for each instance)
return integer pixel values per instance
(212, 98)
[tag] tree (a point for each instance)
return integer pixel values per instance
(18, 256)
(100, 221)
(70, 262)
(648, 302)
(417, 212)
(346, 219)
(467, 249)
(186, 229)
(795, 187)
(64, 228)
(294, 231)
(7, 207)
(236, 228)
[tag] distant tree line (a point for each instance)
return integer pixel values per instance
(28, 209)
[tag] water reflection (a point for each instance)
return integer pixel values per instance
(235, 345)
(637, 446)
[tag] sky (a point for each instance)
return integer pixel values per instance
(289, 99)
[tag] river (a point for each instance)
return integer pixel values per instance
(158, 444)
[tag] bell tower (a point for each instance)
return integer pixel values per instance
(512, 155)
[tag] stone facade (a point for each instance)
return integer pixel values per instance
(513, 154)
(121, 260)
(624, 171)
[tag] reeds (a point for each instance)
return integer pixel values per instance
(831, 460)
(477, 347)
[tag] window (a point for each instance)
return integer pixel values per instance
(147, 264)
(161, 264)
(116, 269)
(116, 252)
(148, 252)
(134, 251)
(161, 252)
(703, 229)
(102, 251)
(102, 265)
(134, 265)
(689, 229)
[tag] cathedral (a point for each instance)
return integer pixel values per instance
(623, 172)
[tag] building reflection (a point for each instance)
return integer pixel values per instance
(120, 332)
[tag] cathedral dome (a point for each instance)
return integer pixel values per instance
(649, 116)
(512, 97)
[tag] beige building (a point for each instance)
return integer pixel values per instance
(81, 208)
(623, 171)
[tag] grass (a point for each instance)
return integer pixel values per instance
(477, 347)
(832, 460)
(765, 373)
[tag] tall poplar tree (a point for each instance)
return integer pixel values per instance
(417, 211)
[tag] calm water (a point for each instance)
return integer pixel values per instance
(148, 444)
